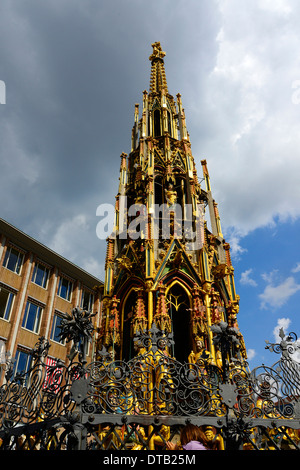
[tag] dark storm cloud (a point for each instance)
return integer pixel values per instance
(73, 71)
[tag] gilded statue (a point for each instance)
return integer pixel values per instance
(171, 196)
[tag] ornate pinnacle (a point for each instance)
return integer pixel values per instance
(157, 53)
(158, 80)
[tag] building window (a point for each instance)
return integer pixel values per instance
(32, 317)
(13, 260)
(64, 288)
(55, 331)
(22, 363)
(87, 300)
(40, 275)
(6, 301)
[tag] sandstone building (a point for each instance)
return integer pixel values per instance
(37, 286)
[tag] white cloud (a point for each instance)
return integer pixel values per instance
(234, 238)
(296, 269)
(296, 354)
(69, 231)
(271, 277)
(282, 7)
(251, 353)
(246, 279)
(92, 265)
(74, 239)
(255, 123)
(276, 296)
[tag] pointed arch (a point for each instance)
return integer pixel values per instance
(156, 123)
(179, 303)
(182, 284)
(128, 311)
(169, 122)
(126, 316)
(158, 189)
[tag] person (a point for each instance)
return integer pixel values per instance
(191, 438)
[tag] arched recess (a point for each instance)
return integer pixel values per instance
(219, 300)
(158, 189)
(158, 200)
(133, 315)
(179, 303)
(156, 123)
(169, 124)
(127, 312)
(180, 188)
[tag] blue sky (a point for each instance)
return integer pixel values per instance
(267, 275)
(73, 70)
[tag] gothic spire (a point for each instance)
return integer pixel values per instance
(158, 75)
(162, 246)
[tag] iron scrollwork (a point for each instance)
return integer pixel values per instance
(77, 328)
(258, 408)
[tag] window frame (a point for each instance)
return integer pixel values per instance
(9, 304)
(46, 275)
(19, 262)
(69, 289)
(28, 362)
(38, 317)
(54, 329)
(91, 300)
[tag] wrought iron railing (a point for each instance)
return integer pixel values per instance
(143, 403)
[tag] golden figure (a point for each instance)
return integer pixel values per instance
(214, 440)
(201, 352)
(163, 383)
(140, 435)
(171, 196)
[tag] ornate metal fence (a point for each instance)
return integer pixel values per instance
(143, 403)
